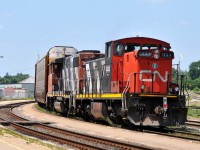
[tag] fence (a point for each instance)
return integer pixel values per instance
(16, 94)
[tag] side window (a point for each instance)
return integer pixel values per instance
(118, 49)
(165, 48)
(108, 49)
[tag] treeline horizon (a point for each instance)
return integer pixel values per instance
(192, 79)
(13, 79)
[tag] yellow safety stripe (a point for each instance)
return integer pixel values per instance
(118, 95)
(148, 95)
(58, 95)
(111, 95)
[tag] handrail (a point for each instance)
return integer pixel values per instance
(124, 106)
(152, 85)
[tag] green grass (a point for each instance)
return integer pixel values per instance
(28, 140)
(195, 113)
(46, 111)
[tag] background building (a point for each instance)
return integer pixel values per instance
(23, 89)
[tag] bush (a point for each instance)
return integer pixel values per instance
(193, 84)
(196, 89)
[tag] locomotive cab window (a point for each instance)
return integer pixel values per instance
(118, 49)
(149, 46)
(129, 47)
(166, 48)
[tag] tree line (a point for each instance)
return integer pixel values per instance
(192, 76)
(13, 79)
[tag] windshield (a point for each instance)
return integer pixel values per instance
(131, 47)
(118, 49)
(149, 46)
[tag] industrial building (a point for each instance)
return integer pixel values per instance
(23, 89)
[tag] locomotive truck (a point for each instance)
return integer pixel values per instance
(130, 82)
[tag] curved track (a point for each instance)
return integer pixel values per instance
(79, 140)
(61, 136)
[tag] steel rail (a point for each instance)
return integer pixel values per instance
(45, 136)
(177, 134)
(97, 142)
(117, 144)
(193, 123)
(173, 133)
(194, 96)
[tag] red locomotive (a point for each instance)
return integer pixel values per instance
(131, 82)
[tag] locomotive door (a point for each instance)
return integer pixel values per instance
(106, 78)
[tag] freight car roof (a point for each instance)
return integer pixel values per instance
(66, 47)
(89, 51)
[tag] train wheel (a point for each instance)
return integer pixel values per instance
(50, 104)
(41, 104)
(162, 127)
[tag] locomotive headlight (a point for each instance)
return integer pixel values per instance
(156, 51)
(170, 90)
(173, 88)
(176, 89)
(156, 56)
(142, 87)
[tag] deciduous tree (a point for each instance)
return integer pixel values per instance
(194, 70)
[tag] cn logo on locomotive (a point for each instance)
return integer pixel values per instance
(164, 79)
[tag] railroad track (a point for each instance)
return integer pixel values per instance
(195, 96)
(78, 140)
(174, 133)
(193, 123)
(193, 107)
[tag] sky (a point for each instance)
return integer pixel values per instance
(29, 28)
